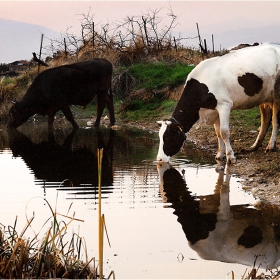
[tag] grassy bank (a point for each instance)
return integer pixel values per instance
(142, 91)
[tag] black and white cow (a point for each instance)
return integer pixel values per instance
(241, 79)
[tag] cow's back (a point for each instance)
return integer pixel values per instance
(75, 83)
(229, 75)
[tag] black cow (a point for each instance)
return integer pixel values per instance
(57, 88)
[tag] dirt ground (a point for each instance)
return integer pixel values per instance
(260, 171)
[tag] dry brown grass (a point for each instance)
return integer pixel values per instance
(49, 257)
(14, 90)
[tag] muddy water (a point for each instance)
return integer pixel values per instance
(184, 220)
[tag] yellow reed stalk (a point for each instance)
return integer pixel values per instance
(42, 254)
(16, 245)
(100, 218)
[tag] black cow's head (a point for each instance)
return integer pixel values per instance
(171, 139)
(17, 116)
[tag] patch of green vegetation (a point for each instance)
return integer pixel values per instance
(6, 81)
(159, 75)
(248, 119)
(147, 110)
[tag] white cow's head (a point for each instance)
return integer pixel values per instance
(171, 139)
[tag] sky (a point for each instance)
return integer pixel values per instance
(213, 17)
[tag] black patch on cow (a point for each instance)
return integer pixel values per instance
(251, 83)
(251, 237)
(200, 95)
(195, 96)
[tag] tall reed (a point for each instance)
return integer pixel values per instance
(49, 257)
(100, 216)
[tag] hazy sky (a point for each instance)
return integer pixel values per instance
(212, 16)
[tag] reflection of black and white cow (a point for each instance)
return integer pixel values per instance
(241, 79)
(218, 231)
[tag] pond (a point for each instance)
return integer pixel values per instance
(189, 220)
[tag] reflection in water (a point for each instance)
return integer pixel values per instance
(133, 204)
(52, 163)
(219, 231)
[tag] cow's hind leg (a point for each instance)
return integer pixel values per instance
(100, 107)
(266, 113)
(69, 116)
(110, 106)
(275, 124)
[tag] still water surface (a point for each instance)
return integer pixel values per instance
(163, 222)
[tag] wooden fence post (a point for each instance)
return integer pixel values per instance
(42, 36)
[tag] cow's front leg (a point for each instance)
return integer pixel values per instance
(224, 113)
(110, 106)
(221, 145)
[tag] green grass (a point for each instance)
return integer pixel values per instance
(148, 110)
(159, 75)
(247, 119)
(6, 81)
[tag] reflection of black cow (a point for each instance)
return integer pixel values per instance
(53, 163)
(218, 231)
(57, 88)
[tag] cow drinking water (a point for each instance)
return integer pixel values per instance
(241, 79)
(57, 88)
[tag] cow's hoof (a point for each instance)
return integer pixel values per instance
(231, 160)
(254, 148)
(219, 158)
(268, 150)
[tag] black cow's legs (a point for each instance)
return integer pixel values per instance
(110, 106)
(68, 115)
(50, 121)
(100, 108)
